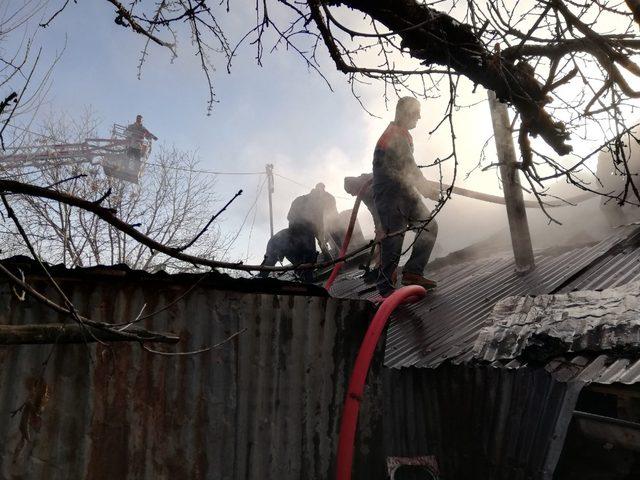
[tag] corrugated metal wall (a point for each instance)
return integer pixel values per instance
(266, 405)
(480, 422)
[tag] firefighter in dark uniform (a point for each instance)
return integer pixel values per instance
(136, 134)
(297, 243)
(398, 185)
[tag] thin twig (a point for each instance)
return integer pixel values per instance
(60, 182)
(58, 12)
(195, 352)
(180, 249)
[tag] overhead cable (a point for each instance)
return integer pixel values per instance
(306, 186)
(203, 171)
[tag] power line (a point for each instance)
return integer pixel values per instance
(244, 220)
(184, 169)
(31, 132)
(306, 186)
(253, 221)
(293, 181)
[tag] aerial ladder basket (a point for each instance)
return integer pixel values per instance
(125, 159)
(120, 157)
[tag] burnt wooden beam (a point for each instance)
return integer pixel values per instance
(513, 197)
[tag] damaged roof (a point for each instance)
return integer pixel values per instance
(445, 325)
(543, 327)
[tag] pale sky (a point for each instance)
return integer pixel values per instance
(280, 113)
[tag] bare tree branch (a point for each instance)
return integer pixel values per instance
(131, 334)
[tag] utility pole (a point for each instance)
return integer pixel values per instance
(269, 171)
(516, 213)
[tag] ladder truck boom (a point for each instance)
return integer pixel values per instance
(119, 156)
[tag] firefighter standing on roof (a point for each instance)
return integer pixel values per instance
(398, 185)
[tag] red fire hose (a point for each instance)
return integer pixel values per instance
(349, 420)
(347, 236)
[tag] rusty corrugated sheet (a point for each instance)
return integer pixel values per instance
(265, 405)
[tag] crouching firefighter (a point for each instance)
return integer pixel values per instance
(297, 243)
(398, 185)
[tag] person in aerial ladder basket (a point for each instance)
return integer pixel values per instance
(136, 134)
(397, 187)
(298, 242)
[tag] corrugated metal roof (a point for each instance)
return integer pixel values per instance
(211, 278)
(604, 369)
(445, 324)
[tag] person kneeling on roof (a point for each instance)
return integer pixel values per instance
(298, 242)
(295, 246)
(397, 186)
